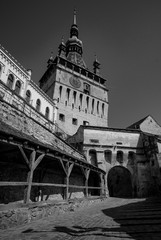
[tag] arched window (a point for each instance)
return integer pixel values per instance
(131, 157)
(93, 157)
(38, 105)
(18, 87)
(74, 99)
(68, 94)
(10, 81)
(98, 107)
(92, 111)
(47, 112)
(87, 102)
(80, 100)
(103, 109)
(28, 96)
(119, 156)
(108, 156)
(60, 92)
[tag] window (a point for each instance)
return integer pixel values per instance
(80, 100)
(28, 96)
(103, 109)
(93, 157)
(61, 117)
(87, 102)
(18, 87)
(108, 156)
(74, 121)
(0, 69)
(86, 88)
(98, 107)
(131, 157)
(47, 112)
(38, 105)
(119, 156)
(10, 81)
(74, 97)
(60, 91)
(85, 123)
(94, 140)
(68, 94)
(92, 111)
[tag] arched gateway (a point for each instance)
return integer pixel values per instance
(119, 182)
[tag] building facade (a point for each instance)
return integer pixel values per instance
(82, 95)
(18, 89)
(130, 157)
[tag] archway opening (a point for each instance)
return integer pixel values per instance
(119, 182)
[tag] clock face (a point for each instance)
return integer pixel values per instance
(75, 82)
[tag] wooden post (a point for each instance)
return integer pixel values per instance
(30, 177)
(102, 185)
(32, 164)
(66, 190)
(87, 172)
(69, 167)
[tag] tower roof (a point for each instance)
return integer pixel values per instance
(74, 46)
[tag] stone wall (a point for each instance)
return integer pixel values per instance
(23, 123)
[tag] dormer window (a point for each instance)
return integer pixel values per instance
(86, 88)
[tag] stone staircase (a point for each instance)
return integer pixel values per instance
(140, 220)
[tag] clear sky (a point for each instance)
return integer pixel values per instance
(125, 35)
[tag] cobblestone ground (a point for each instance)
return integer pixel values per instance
(112, 219)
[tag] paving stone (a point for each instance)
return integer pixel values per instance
(111, 219)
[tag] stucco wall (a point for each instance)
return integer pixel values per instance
(144, 170)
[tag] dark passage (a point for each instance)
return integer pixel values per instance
(119, 182)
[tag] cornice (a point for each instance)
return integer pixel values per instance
(37, 88)
(14, 61)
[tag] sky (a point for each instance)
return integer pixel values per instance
(124, 34)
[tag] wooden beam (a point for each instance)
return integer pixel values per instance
(38, 160)
(24, 156)
(69, 169)
(13, 183)
(63, 166)
(44, 184)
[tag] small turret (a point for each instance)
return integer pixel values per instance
(62, 49)
(96, 66)
(51, 60)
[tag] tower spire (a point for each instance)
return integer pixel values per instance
(74, 27)
(75, 17)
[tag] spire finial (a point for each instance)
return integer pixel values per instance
(95, 56)
(51, 55)
(62, 39)
(74, 17)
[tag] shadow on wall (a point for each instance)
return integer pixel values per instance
(130, 221)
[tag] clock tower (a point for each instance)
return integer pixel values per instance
(82, 95)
